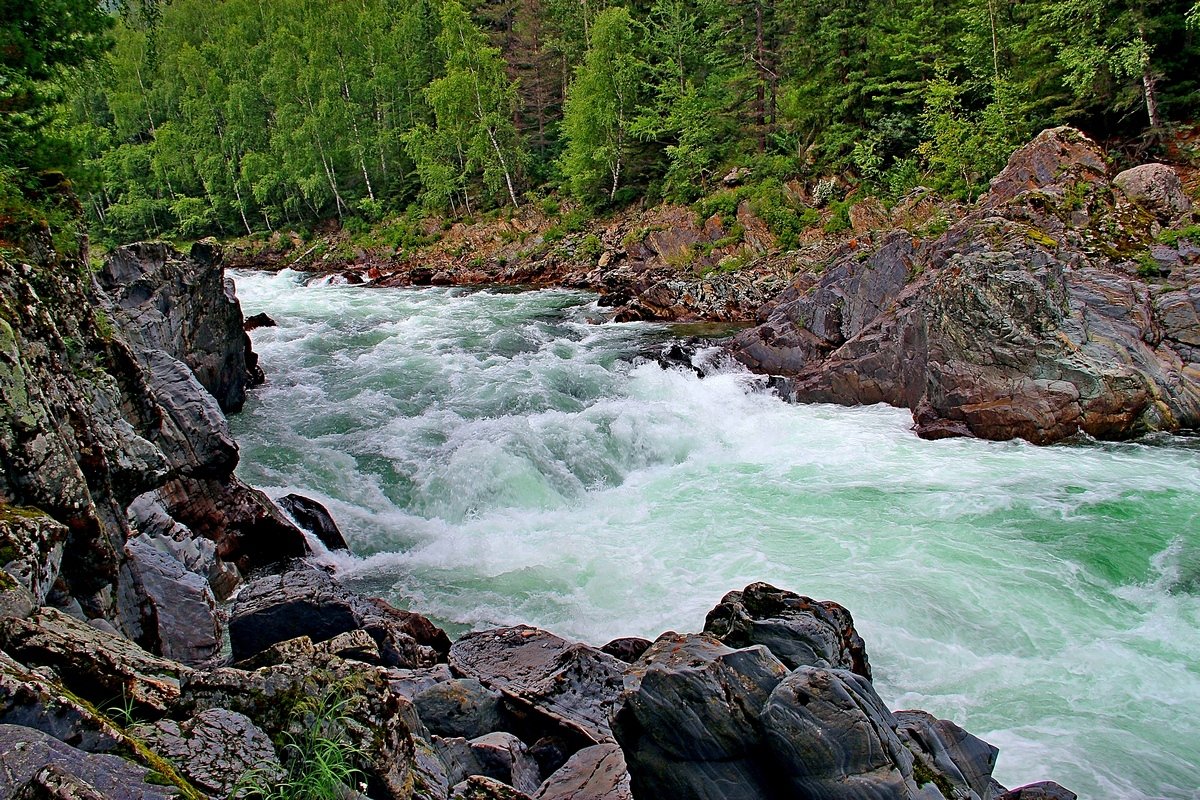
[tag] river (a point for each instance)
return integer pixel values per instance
(496, 457)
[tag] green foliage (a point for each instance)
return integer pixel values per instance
(318, 761)
(839, 220)
(1148, 266)
(1172, 236)
(590, 248)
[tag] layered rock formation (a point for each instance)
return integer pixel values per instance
(1054, 307)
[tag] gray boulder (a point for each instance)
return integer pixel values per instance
(213, 749)
(309, 602)
(798, 630)
(573, 685)
(26, 755)
(1157, 189)
(593, 773)
(481, 787)
(1043, 790)
(181, 609)
(689, 719)
(962, 762)
(314, 518)
(459, 707)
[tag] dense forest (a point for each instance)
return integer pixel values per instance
(240, 116)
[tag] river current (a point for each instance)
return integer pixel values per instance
(497, 457)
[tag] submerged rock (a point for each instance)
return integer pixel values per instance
(314, 518)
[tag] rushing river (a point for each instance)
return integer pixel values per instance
(496, 458)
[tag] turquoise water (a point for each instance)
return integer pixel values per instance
(495, 458)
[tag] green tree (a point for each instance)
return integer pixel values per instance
(601, 106)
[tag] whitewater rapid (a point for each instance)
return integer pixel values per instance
(497, 457)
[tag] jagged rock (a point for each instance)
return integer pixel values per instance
(30, 700)
(31, 548)
(185, 307)
(574, 685)
(479, 787)
(314, 518)
(99, 667)
(627, 648)
(25, 755)
(593, 773)
(1043, 790)
(309, 602)
(798, 630)
(1025, 320)
(213, 749)
(259, 320)
(961, 761)
(411, 682)
(182, 612)
(356, 644)
(503, 756)
(459, 707)
(689, 719)
(15, 599)
(868, 215)
(1156, 188)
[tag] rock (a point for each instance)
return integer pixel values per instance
(38, 765)
(550, 753)
(593, 773)
(960, 760)
(572, 684)
(182, 612)
(689, 719)
(1156, 188)
(1043, 790)
(832, 738)
(99, 667)
(502, 756)
(868, 215)
(309, 602)
(356, 645)
(15, 599)
(736, 176)
(628, 648)
(797, 630)
(479, 787)
(411, 682)
(314, 518)
(31, 548)
(259, 320)
(459, 707)
(30, 700)
(213, 749)
(1026, 319)
(185, 307)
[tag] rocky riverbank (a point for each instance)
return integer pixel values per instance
(160, 639)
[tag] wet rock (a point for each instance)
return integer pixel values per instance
(593, 773)
(459, 707)
(213, 749)
(1043, 790)
(798, 630)
(39, 766)
(181, 611)
(479, 787)
(573, 684)
(259, 320)
(99, 667)
(960, 761)
(309, 602)
(314, 518)
(627, 648)
(832, 738)
(1156, 188)
(689, 719)
(185, 307)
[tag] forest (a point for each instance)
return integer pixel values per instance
(188, 118)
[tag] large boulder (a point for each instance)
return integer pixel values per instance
(314, 518)
(181, 612)
(798, 630)
(34, 765)
(593, 773)
(1032, 317)
(309, 602)
(689, 720)
(572, 685)
(1156, 188)
(459, 707)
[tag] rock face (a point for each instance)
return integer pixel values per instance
(187, 308)
(1027, 319)
(107, 430)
